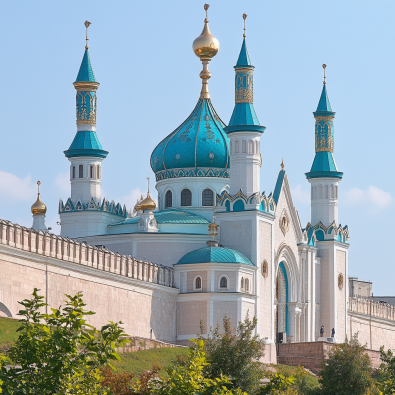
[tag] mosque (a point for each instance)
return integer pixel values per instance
(232, 249)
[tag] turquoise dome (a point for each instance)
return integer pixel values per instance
(214, 254)
(199, 147)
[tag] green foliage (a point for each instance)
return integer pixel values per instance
(387, 372)
(188, 378)
(58, 353)
(305, 381)
(347, 371)
(236, 354)
(277, 382)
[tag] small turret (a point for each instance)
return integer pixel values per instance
(39, 210)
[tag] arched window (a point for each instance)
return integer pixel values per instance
(237, 147)
(223, 283)
(198, 283)
(186, 197)
(242, 283)
(73, 171)
(335, 191)
(257, 147)
(247, 285)
(91, 171)
(320, 192)
(80, 171)
(244, 146)
(250, 147)
(326, 191)
(168, 199)
(207, 197)
(98, 172)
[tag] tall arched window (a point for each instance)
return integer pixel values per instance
(244, 146)
(247, 285)
(91, 170)
(250, 147)
(223, 283)
(198, 283)
(326, 191)
(168, 199)
(237, 147)
(98, 172)
(73, 172)
(80, 171)
(207, 197)
(242, 283)
(257, 147)
(186, 197)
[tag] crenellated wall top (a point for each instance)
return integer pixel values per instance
(372, 308)
(75, 252)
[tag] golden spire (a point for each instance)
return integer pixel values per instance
(148, 203)
(282, 164)
(38, 207)
(206, 46)
(87, 23)
(212, 232)
(324, 67)
(244, 17)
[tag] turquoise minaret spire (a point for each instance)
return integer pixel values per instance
(324, 176)
(324, 164)
(85, 152)
(244, 130)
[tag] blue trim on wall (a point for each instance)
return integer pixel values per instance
(319, 234)
(282, 267)
(227, 205)
(238, 205)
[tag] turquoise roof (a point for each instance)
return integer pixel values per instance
(279, 184)
(199, 142)
(324, 165)
(324, 106)
(171, 216)
(86, 71)
(243, 114)
(86, 143)
(216, 255)
(244, 58)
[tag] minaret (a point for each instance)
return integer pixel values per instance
(38, 210)
(244, 130)
(86, 153)
(324, 176)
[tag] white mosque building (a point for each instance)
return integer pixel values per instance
(234, 249)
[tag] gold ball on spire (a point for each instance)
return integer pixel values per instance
(38, 207)
(206, 46)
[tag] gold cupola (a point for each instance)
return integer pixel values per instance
(38, 207)
(205, 47)
(148, 203)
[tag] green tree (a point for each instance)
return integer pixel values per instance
(347, 371)
(58, 353)
(387, 372)
(278, 383)
(235, 353)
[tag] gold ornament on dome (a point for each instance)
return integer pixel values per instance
(148, 203)
(38, 208)
(206, 45)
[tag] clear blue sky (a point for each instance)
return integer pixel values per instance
(142, 57)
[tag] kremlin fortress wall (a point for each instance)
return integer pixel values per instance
(120, 288)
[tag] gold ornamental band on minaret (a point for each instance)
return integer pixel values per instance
(38, 207)
(206, 46)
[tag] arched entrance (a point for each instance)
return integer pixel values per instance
(282, 297)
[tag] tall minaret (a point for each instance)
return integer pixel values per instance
(244, 130)
(86, 153)
(323, 176)
(39, 210)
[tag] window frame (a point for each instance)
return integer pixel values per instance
(184, 199)
(212, 198)
(168, 193)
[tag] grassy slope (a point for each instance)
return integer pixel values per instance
(286, 370)
(8, 327)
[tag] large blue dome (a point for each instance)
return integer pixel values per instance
(199, 147)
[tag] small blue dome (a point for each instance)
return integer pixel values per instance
(198, 147)
(214, 254)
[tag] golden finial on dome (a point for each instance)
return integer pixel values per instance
(38, 207)
(87, 23)
(282, 164)
(212, 232)
(324, 67)
(148, 203)
(206, 46)
(137, 206)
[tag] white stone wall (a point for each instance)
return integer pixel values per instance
(324, 200)
(245, 162)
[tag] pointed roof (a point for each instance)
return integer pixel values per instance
(244, 58)
(324, 165)
(86, 143)
(324, 106)
(86, 73)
